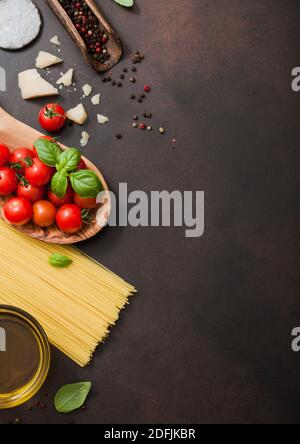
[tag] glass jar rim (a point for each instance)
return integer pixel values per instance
(25, 393)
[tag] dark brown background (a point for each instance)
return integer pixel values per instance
(207, 339)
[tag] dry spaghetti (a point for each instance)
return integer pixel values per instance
(76, 306)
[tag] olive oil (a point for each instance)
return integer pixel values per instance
(24, 357)
(20, 362)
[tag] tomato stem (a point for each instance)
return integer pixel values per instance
(87, 217)
(50, 113)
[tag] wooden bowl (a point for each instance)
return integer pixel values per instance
(114, 44)
(15, 134)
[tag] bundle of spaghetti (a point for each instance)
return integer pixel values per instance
(76, 306)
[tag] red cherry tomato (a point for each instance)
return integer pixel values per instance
(69, 219)
(38, 173)
(44, 213)
(52, 117)
(59, 202)
(4, 154)
(81, 165)
(42, 137)
(31, 193)
(17, 211)
(85, 203)
(22, 156)
(8, 181)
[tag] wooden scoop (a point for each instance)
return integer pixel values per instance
(16, 134)
(114, 45)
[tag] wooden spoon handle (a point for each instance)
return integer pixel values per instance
(14, 133)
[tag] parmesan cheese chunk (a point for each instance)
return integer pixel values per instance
(66, 79)
(32, 85)
(77, 114)
(96, 99)
(55, 40)
(45, 59)
(87, 89)
(84, 139)
(102, 119)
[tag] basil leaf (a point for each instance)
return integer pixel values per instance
(86, 183)
(59, 183)
(126, 3)
(71, 397)
(59, 261)
(69, 160)
(48, 152)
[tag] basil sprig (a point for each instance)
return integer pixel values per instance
(59, 261)
(69, 160)
(126, 3)
(86, 183)
(59, 183)
(72, 396)
(48, 151)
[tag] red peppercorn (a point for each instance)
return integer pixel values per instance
(147, 88)
(142, 126)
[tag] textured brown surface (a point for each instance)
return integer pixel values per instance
(208, 337)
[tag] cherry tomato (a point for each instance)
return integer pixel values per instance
(17, 211)
(42, 137)
(31, 193)
(52, 117)
(85, 203)
(60, 201)
(69, 219)
(4, 154)
(81, 165)
(38, 173)
(8, 181)
(21, 156)
(44, 213)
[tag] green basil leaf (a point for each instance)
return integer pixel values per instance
(59, 261)
(126, 3)
(69, 160)
(86, 183)
(71, 397)
(59, 183)
(48, 152)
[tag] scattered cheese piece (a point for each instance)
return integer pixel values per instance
(84, 139)
(87, 89)
(55, 40)
(96, 99)
(77, 114)
(66, 78)
(102, 119)
(32, 85)
(45, 59)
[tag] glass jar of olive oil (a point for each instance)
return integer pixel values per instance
(24, 357)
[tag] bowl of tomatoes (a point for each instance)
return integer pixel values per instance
(50, 192)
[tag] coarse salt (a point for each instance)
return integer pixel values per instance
(20, 23)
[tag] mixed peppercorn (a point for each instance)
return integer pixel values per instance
(88, 27)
